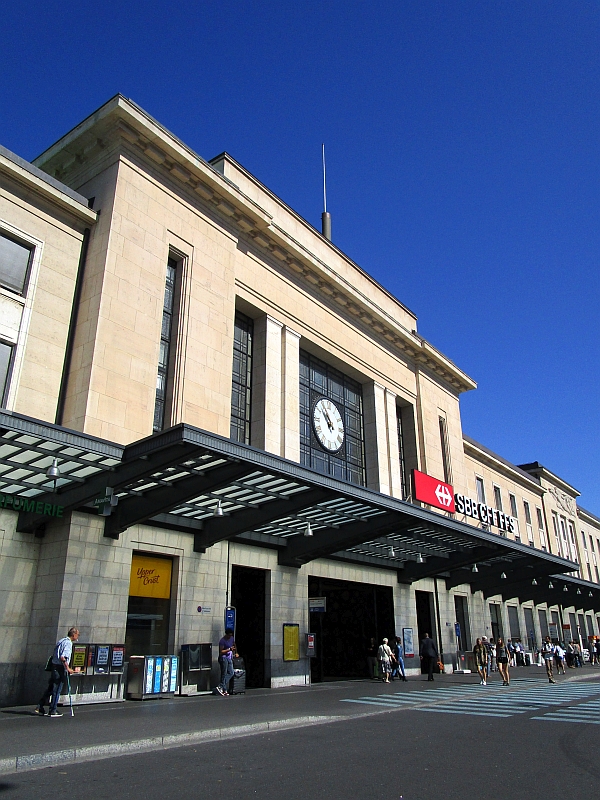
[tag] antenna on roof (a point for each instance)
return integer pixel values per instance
(325, 216)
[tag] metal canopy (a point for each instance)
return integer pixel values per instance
(189, 480)
(28, 449)
(580, 594)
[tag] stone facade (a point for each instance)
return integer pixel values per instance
(237, 246)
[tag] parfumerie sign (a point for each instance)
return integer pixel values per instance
(442, 495)
(29, 504)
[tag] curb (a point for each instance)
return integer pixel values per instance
(25, 763)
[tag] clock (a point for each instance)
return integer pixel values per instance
(328, 425)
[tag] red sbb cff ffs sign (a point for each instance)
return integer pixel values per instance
(432, 491)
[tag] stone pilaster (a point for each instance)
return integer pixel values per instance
(267, 388)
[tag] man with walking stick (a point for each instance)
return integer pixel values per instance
(58, 666)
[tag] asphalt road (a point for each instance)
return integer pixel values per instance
(537, 747)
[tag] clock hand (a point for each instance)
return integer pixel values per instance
(329, 422)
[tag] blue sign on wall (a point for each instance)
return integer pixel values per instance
(230, 618)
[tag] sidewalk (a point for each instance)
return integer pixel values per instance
(99, 731)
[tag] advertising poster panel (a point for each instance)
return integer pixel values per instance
(408, 642)
(149, 676)
(158, 666)
(291, 642)
(166, 675)
(174, 670)
(102, 655)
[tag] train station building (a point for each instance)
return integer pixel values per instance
(206, 404)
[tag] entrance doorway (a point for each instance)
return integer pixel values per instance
(149, 607)
(496, 620)
(461, 607)
(356, 612)
(425, 620)
(248, 596)
(530, 630)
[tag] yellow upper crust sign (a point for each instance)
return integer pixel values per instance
(150, 577)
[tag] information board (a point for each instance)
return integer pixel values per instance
(102, 655)
(117, 658)
(166, 675)
(291, 642)
(78, 658)
(317, 605)
(407, 640)
(158, 666)
(149, 676)
(174, 669)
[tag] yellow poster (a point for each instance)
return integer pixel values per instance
(291, 642)
(150, 577)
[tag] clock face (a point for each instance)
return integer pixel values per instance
(328, 425)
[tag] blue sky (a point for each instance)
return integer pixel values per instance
(462, 154)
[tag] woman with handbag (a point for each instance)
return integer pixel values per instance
(384, 656)
(503, 657)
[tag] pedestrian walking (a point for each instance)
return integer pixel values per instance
(480, 654)
(226, 653)
(491, 653)
(548, 656)
(398, 651)
(511, 653)
(598, 651)
(59, 668)
(372, 659)
(384, 657)
(559, 659)
(503, 660)
(429, 655)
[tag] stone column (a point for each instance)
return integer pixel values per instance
(391, 413)
(290, 395)
(381, 440)
(267, 388)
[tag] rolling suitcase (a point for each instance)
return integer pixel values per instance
(237, 685)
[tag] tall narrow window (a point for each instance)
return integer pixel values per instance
(445, 450)
(498, 498)
(15, 260)
(528, 525)
(166, 336)
(541, 527)
(572, 545)
(402, 454)
(241, 383)
(515, 515)
(480, 487)
(556, 532)
(5, 359)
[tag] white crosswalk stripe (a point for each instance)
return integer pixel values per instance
(521, 697)
(586, 713)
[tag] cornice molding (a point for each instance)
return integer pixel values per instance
(502, 467)
(45, 190)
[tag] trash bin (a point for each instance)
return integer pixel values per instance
(196, 665)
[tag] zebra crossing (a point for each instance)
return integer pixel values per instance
(523, 696)
(586, 713)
